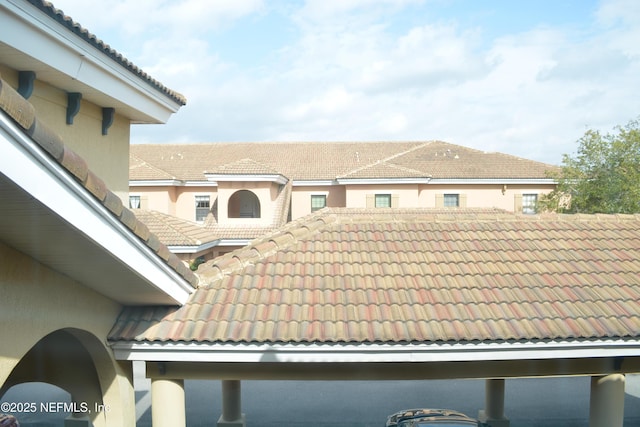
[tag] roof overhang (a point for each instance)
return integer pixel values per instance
(495, 181)
(234, 242)
(385, 361)
(170, 183)
(215, 178)
(50, 216)
(157, 183)
(193, 249)
(384, 181)
(314, 183)
(374, 353)
(32, 41)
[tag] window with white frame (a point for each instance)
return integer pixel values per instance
(529, 203)
(203, 205)
(382, 201)
(134, 202)
(451, 200)
(318, 201)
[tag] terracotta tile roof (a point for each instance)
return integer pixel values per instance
(174, 231)
(331, 160)
(58, 15)
(145, 171)
(23, 114)
(244, 167)
(394, 276)
(384, 170)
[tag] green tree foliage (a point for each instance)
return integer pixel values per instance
(603, 176)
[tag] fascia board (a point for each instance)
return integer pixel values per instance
(157, 183)
(200, 184)
(234, 242)
(314, 183)
(509, 181)
(192, 249)
(28, 166)
(35, 34)
(278, 179)
(383, 181)
(372, 353)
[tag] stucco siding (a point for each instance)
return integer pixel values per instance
(301, 198)
(106, 155)
(37, 301)
(39, 304)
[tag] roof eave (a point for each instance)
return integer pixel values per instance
(374, 353)
(157, 183)
(376, 181)
(62, 59)
(39, 175)
(215, 178)
(501, 181)
(192, 249)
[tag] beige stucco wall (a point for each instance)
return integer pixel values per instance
(185, 200)
(106, 155)
(161, 198)
(267, 193)
(38, 301)
(407, 194)
(301, 198)
(482, 196)
(179, 201)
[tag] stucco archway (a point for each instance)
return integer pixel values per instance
(243, 204)
(77, 362)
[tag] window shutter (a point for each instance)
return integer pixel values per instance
(371, 200)
(395, 201)
(439, 200)
(518, 203)
(144, 202)
(463, 200)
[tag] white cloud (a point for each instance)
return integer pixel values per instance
(350, 71)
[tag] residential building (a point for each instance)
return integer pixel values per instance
(239, 191)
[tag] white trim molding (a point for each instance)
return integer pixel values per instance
(373, 353)
(28, 166)
(278, 179)
(73, 65)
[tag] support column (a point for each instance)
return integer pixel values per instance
(232, 415)
(493, 414)
(606, 408)
(167, 403)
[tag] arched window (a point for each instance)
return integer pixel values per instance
(244, 204)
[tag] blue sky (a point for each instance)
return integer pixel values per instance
(523, 77)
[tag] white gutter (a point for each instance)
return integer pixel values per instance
(314, 183)
(234, 242)
(214, 177)
(191, 249)
(26, 164)
(372, 353)
(481, 181)
(170, 183)
(367, 181)
(157, 183)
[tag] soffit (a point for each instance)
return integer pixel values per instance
(30, 227)
(38, 166)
